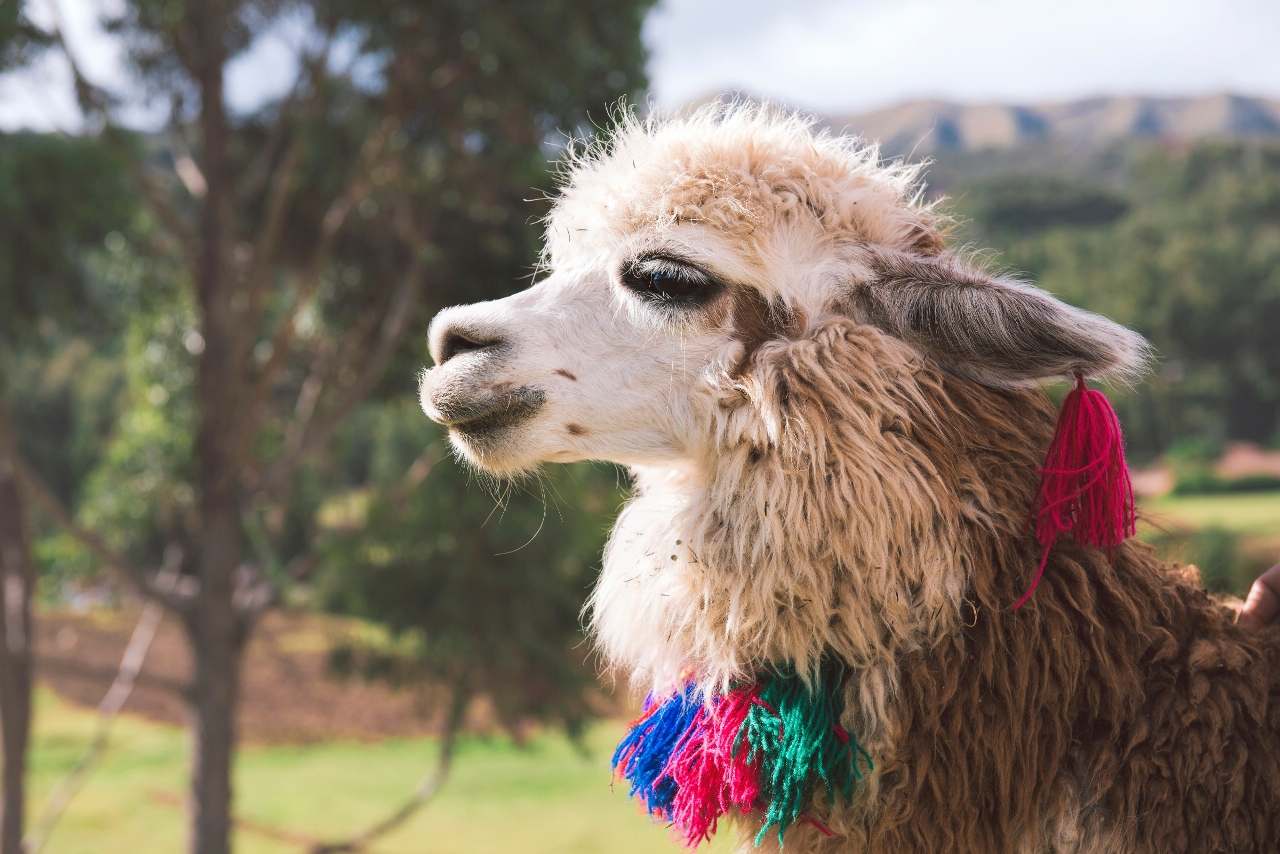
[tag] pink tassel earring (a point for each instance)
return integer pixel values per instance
(1084, 485)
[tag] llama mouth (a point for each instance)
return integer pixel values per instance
(481, 418)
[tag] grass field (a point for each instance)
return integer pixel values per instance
(1245, 513)
(500, 798)
(1231, 537)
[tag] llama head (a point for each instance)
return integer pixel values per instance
(677, 248)
(720, 285)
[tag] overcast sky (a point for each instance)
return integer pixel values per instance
(841, 56)
(832, 56)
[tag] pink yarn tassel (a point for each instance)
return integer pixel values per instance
(711, 767)
(1084, 485)
(742, 787)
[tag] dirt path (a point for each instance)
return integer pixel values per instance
(288, 697)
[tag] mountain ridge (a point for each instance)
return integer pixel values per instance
(936, 126)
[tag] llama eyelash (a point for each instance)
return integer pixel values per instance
(668, 283)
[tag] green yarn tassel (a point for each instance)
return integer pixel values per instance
(795, 732)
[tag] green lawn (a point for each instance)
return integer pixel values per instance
(1231, 537)
(1244, 513)
(543, 798)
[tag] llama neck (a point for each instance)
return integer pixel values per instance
(843, 513)
(825, 524)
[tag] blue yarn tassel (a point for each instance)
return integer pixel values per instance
(642, 755)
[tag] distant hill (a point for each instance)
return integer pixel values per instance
(938, 127)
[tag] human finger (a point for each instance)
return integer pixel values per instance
(1262, 607)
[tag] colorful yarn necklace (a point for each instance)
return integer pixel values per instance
(768, 744)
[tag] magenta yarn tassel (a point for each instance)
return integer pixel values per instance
(1084, 485)
(712, 766)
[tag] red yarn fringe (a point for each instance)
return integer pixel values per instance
(822, 828)
(1084, 485)
(713, 766)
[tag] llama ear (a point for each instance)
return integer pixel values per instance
(998, 331)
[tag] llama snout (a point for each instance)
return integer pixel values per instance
(470, 390)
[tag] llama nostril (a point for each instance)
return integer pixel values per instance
(458, 340)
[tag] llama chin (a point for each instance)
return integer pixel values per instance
(834, 423)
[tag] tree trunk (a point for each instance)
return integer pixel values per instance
(17, 578)
(216, 642)
(215, 630)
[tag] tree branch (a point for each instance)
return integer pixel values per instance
(167, 215)
(94, 99)
(257, 175)
(257, 277)
(426, 789)
(118, 694)
(335, 217)
(394, 323)
(174, 598)
(91, 98)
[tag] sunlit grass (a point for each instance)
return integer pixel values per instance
(544, 798)
(1231, 537)
(1244, 513)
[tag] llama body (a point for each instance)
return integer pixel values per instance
(834, 430)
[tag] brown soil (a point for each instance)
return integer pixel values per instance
(287, 694)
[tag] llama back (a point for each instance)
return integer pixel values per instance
(1120, 709)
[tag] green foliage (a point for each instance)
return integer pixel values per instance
(141, 495)
(1207, 483)
(1193, 263)
(47, 228)
(63, 398)
(1217, 554)
(1034, 203)
(481, 593)
(54, 320)
(60, 199)
(1225, 567)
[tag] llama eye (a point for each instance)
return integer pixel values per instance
(661, 280)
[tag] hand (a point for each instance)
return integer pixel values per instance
(1262, 608)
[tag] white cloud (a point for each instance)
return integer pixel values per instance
(846, 55)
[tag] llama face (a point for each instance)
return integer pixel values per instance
(622, 356)
(579, 366)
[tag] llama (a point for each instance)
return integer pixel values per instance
(834, 423)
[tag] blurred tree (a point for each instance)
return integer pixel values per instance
(296, 245)
(46, 308)
(484, 609)
(478, 600)
(19, 41)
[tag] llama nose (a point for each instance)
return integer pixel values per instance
(456, 339)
